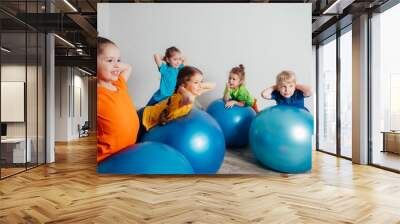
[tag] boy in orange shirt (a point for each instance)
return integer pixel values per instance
(117, 119)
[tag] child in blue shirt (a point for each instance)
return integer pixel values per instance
(287, 91)
(169, 67)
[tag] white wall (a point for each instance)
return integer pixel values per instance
(266, 38)
(70, 84)
(17, 73)
(33, 126)
(80, 102)
(12, 101)
(12, 73)
(61, 104)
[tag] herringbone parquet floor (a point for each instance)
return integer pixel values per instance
(70, 191)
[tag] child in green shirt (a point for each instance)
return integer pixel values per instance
(235, 92)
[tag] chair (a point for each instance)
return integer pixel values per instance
(84, 130)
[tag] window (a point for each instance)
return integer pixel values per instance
(22, 68)
(385, 88)
(346, 94)
(327, 97)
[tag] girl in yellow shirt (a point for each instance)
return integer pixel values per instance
(189, 85)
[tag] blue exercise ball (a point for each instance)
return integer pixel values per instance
(235, 122)
(146, 158)
(281, 138)
(197, 136)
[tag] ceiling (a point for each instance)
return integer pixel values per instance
(77, 22)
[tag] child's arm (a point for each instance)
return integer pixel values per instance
(126, 70)
(267, 93)
(244, 98)
(227, 96)
(232, 103)
(184, 61)
(207, 86)
(188, 97)
(307, 91)
(158, 60)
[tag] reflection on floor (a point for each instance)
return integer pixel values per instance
(346, 152)
(386, 159)
(10, 169)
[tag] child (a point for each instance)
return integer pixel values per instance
(115, 110)
(189, 85)
(169, 67)
(235, 92)
(286, 91)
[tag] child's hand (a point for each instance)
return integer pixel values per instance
(125, 70)
(183, 91)
(184, 60)
(206, 86)
(124, 67)
(158, 59)
(307, 91)
(230, 104)
(228, 87)
(267, 93)
(188, 97)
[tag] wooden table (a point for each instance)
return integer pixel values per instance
(391, 141)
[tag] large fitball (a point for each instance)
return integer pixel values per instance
(235, 122)
(146, 158)
(281, 138)
(197, 136)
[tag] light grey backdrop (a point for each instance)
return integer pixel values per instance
(266, 38)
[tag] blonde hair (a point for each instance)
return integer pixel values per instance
(285, 76)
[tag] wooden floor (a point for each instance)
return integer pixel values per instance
(5, 172)
(10, 171)
(70, 191)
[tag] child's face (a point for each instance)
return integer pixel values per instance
(194, 84)
(175, 60)
(234, 80)
(108, 63)
(286, 89)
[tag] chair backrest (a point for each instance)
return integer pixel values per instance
(86, 125)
